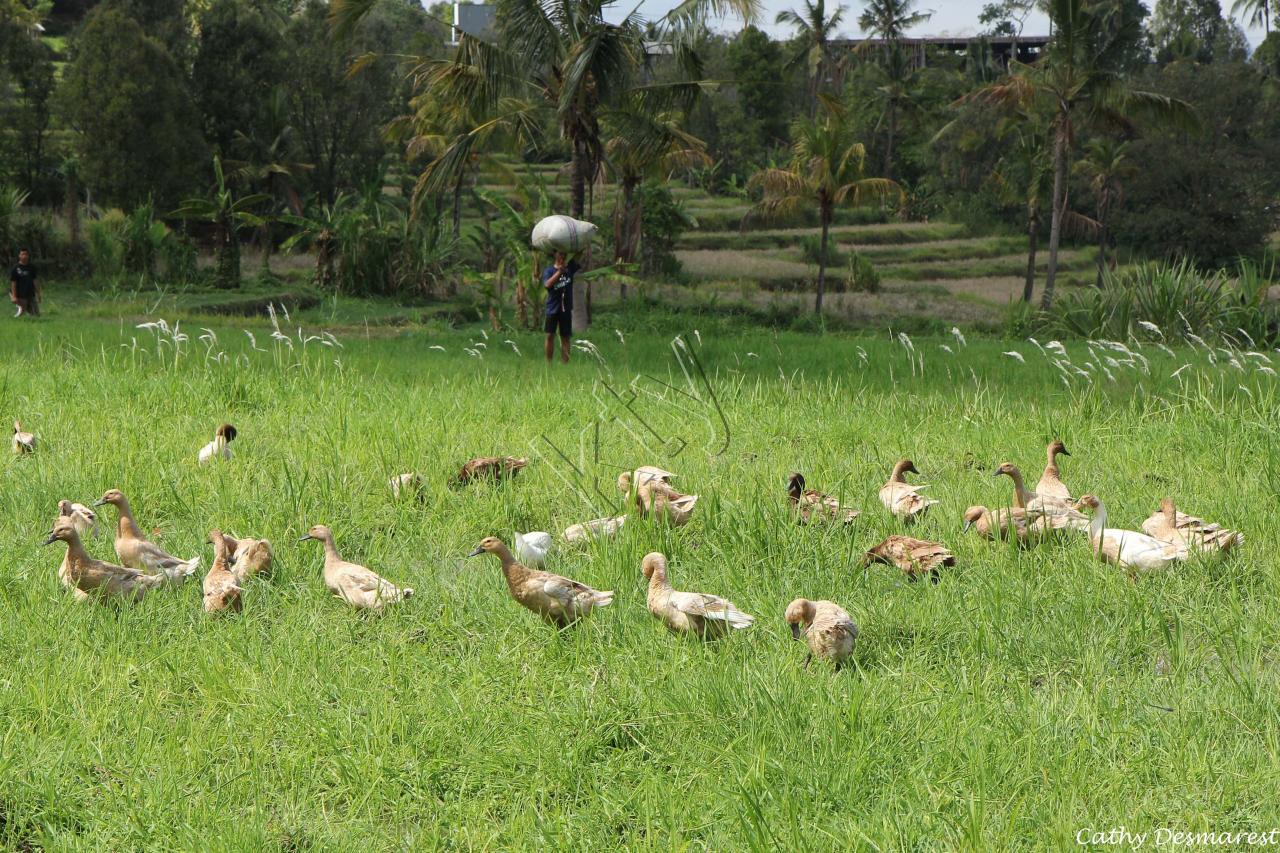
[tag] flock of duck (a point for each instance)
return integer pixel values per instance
(1168, 536)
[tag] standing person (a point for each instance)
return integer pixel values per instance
(24, 291)
(558, 280)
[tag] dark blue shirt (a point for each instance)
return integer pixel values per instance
(560, 296)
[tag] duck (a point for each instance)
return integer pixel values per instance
(89, 578)
(135, 550)
(532, 548)
(560, 601)
(221, 586)
(494, 468)
(1136, 552)
(1054, 513)
(701, 614)
(811, 503)
(23, 442)
(249, 557)
(1169, 525)
(1051, 484)
(597, 528)
(657, 500)
(825, 627)
(916, 557)
(642, 476)
(900, 497)
(998, 524)
(85, 519)
(356, 585)
(220, 447)
(408, 483)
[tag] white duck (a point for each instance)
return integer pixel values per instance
(532, 548)
(84, 519)
(23, 442)
(1128, 548)
(354, 584)
(220, 447)
(597, 528)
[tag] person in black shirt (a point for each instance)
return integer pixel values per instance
(23, 289)
(558, 280)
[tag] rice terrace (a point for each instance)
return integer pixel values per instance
(710, 426)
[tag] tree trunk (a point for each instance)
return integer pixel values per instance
(1033, 235)
(228, 261)
(457, 207)
(73, 209)
(822, 260)
(1059, 209)
(577, 206)
(893, 131)
(1102, 244)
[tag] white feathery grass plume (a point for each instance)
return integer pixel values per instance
(958, 335)
(1056, 346)
(253, 342)
(752, 355)
(514, 348)
(946, 348)
(697, 337)
(621, 339)
(1175, 373)
(1167, 351)
(1151, 327)
(484, 334)
(1037, 345)
(1015, 355)
(1246, 390)
(862, 354)
(906, 342)
(436, 347)
(474, 353)
(1262, 368)
(1258, 355)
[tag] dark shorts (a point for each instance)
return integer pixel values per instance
(562, 321)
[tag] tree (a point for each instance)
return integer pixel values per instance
(813, 32)
(228, 214)
(138, 137)
(827, 170)
(889, 20)
(1187, 29)
(761, 83)
(643, 146)
(1079, 81)
(1106, 164)
(238, 60)
(1254, 12)
(337, 116)
(27, 117)
(1022, 175)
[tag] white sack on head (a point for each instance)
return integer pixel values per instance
(562, 234)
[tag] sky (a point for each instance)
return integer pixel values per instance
(950, 17)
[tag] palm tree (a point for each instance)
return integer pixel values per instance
(827, 170)
(1079, 81)
(1254, 12)
(228, 215)
(813, 32)
(1021, 176)
(643, 145)
(889, 20)
(1105, 163)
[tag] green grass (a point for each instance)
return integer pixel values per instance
(1024, 697)
(892, 233)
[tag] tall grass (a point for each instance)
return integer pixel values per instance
(1027, 695)
(1218, 305)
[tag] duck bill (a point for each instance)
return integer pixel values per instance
(996, 474)
(100, 502)
(1064, 452)
(476, 553)
(795, 631)
(49, 540)
(966, 526)
(306, 538)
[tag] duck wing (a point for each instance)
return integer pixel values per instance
(709, 606)
(571, 594)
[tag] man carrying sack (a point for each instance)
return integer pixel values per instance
(558, 281)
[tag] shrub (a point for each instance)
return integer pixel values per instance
(862, 276)
(1177, 298)
(811, 250)
(103, 243)
(662, 221)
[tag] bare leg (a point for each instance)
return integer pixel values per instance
(551, 346)
(564, 349)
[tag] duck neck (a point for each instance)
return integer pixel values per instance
(1051, 462)
(512, 569)
(76, 554)
(127, 527)
(1020, 493)
(330, 551)
(899, 475)
(1098, 524)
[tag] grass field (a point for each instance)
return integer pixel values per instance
(1026, 696)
